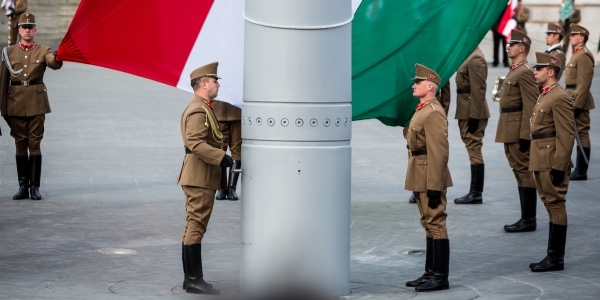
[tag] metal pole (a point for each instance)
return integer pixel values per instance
(296, 130)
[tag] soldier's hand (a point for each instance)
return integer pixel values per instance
(434, 198)
(577, 111)
(524, 145)
(56, 57)
(473, 125)
(226, 162)
(557, 176)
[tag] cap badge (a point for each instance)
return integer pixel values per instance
(431, 76)
(553, 61)
(583, 30)
(525, 40)
(558, 30)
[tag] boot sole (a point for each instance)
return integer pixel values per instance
(456, 201)
(433, 290)
(203, 292)
(520, 230)
(557, 268)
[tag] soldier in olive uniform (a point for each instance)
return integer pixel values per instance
(578, 81)
(554, 35)
(24, 103)
(13, 20)
(230, 121)
(200, 174)
(552, 136)
(443, 96)
(521, 16)
(472, 113)
(566, 24)
(518, 96)
(428, 177)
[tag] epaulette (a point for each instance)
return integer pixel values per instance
(525, 64)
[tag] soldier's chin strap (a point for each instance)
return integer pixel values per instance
(4, 58)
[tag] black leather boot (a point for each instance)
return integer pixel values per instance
(35, 172)
(23, 174)
(474, 194)
(412, 198)
(192, 260)
(580, 172)
(528, 198)
(554, 261)
(185, 277)
(233, 179)
(428, 266)
(221, 195)
(441, 268)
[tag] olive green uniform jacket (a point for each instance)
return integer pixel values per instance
(26, 101)
(428, 130)
(519, 89)
(198, 127)
(580, 72)
(472, 75)
(553, 112)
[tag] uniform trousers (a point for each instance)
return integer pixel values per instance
(232, 137)
(583, 126)
(473, 141)
(553, 196)
(519, 162)
(199, 204)
(433, 220)
(28, 133)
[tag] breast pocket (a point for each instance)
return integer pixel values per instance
(511, 88)
(571, 71)
(416, 138)
(544, 116)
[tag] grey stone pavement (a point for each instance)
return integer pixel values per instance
(111, 154)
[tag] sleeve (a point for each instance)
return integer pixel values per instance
(436, 139)
(3, 89)
(529, 94)
(565, 133)
(445, 97)
(20, 6)
(523, 16)
(196, 134)
(50, 61)
(585, 73)
(477, 69)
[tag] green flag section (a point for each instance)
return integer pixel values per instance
(389, 37)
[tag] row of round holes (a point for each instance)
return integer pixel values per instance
(299, 122)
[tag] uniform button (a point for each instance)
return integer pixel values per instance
(548, 146)
(38, 61)
(534, 114)
(25, 56)
(25, 75)
(25, 66)
(542, 110)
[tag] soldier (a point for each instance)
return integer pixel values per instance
(230, 121)
(554, 35)
(200, 175)
(518, 96)
(566, 24)
(521, 16)
(13, 20)
(578, 80)
(24, 103)
(428, 177)
(552, 136)
(472, 113)
(443, 96)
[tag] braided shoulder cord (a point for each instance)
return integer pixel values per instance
(217, 135)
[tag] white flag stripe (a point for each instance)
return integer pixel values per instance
(221, 39)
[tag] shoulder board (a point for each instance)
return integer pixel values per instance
(525, 64)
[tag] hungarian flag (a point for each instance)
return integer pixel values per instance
(166, 40)
(508, 22)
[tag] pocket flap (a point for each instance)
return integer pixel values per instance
(40, 88)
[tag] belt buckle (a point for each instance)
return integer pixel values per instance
(531, 136)
(25, 83)
(409, 153)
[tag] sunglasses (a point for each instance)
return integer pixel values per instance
(27, 26)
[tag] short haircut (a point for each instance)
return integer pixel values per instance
(196, 82)
(556, 71)
(585, 39)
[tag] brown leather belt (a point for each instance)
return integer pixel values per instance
(570, 86)
(417, 152)
(510, 109)
(463, 91)
(188, 151)
(543, 135)
(27, 82)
